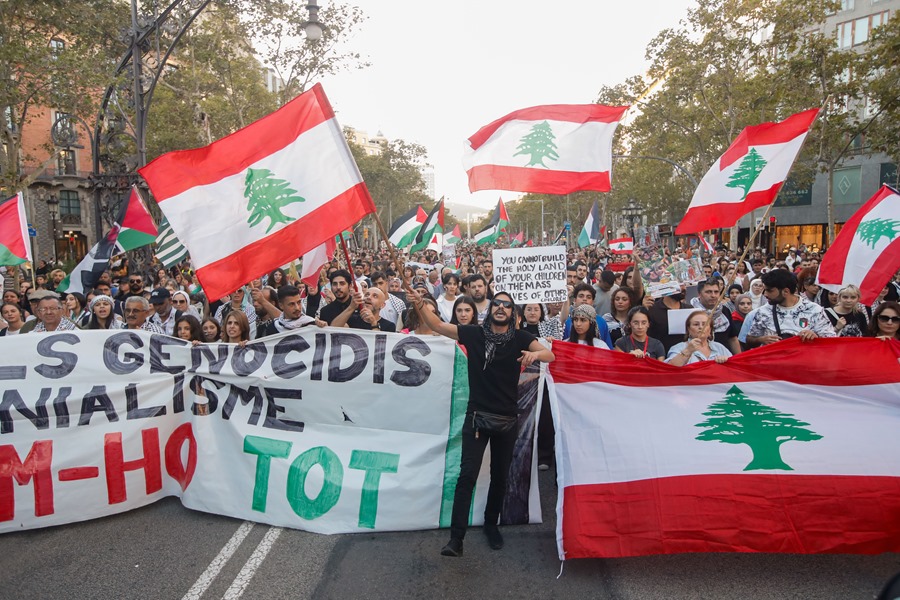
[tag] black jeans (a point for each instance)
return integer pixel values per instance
(502, 446)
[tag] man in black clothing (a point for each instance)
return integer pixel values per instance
(496, 352)
(659, 319)
(340, 287)
(365, 313)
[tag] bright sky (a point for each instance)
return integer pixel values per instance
(442, 70)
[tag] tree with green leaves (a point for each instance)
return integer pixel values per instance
(539, 143)
(53, 55)
(751, 166)
(267, 196)
(737, 419)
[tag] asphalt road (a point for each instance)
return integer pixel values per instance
(166, 551)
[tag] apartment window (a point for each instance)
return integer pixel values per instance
(857, 32)
(69, 204)
(65, 162)
(56, 46)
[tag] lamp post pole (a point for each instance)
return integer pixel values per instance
(53, 207)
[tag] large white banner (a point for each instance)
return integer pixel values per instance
(324, 430)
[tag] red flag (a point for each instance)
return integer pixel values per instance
(262, 196)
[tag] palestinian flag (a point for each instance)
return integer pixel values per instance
(749, 175)
(747, 456)
(496, 227)
(454, 237)
(431, 233)
(517, 240)
(169, 250)
(403, 231)
(15, 247)
(622, 246)
(262, 196)
(87, 273)
(590, 233)
(561, 237)
(866, 253)
(136, 226)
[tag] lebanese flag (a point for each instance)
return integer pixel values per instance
(314, 260)
(747, 456)
(136, 227)
(749, 174)
(866, 253)
(552, 149)
(621, 245)
(15, 248)
(262, 196)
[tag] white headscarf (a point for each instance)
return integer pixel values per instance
(190, 310)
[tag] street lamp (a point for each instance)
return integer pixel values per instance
(633, 213)
(53, 208)
(313, 28)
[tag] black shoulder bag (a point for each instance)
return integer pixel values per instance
(492, 422)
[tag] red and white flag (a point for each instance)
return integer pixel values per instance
(706, 245)
(262, 196)
(749, 174)
(621, 245)
(552, 149)
(314, 260)
(866, 253)
(747, 456)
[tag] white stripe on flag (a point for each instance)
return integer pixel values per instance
(301, 163)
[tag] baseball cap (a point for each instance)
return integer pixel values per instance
(159, 295)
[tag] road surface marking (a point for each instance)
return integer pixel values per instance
(253, 563)
(218, 562)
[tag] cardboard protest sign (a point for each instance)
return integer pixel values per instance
(324, 430)
(531, 274)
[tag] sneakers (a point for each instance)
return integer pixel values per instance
(495, 540)
(454, 548)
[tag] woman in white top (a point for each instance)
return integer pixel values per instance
(697, 346)
(584, 327)
(446, 300)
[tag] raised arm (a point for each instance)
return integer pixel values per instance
(431, 319)
(341, 319)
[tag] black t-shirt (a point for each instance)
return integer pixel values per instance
(494, 389)
(654, 347)
(659, 324)
(357, 322)
(330, 311)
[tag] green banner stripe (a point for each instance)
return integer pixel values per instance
(8, 259)
(459, 402)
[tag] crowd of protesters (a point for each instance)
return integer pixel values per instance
(737, 306)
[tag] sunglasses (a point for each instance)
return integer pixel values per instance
(503, 303)
(888, 319)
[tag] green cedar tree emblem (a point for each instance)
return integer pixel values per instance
(539, 143)
(736, 419)
(266, 196)
(872, 231)
(747, 172)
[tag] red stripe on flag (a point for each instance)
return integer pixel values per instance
(725, 214)
(826, 361)
(831, 270)
(226, 275)
(525, 179)
(768, 133)
(176, 172)
(11, 228)
(732, 513)
(574, 113)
